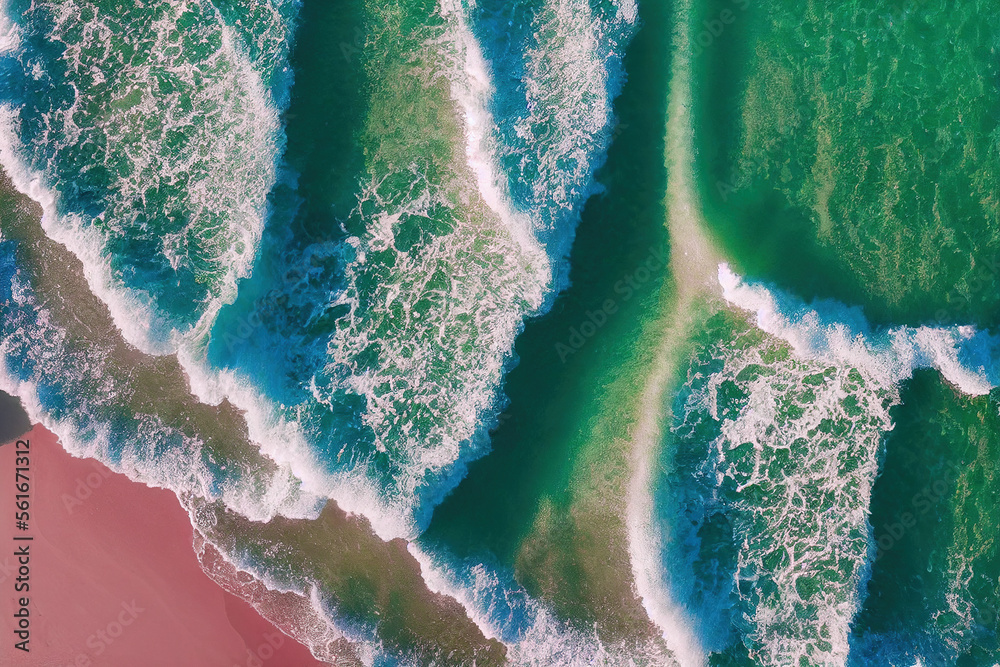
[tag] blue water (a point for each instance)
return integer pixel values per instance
(312, 238)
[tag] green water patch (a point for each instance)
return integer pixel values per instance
(326, 113)
(936, 566)
(736, 655)
(368, 100)
(520, 503)
(850, 151)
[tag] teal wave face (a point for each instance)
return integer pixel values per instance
(155, 127)
(325, 226)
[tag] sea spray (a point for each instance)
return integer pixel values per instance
(151, 150)
(829, 332)
(75, 387)
(297, 609)
(534, 635)
(405, 319)
(828, 378)
(773, 520)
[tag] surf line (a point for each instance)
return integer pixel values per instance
(691, 288)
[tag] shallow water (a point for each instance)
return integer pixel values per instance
(554, 331)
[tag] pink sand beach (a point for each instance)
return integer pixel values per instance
(114, 581)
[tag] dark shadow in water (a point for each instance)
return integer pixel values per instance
(914, 510)
(322, 165)
(551, 399)
(14, 421)
(325, 115)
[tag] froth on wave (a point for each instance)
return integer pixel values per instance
(150, 138)
(830, 332)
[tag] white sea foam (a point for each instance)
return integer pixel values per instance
(134, 310)
(533, 635)
(440, 580)
(442, 316)
(659, 584)
(498, 306)
(284, 441)
(661, 580)
(146, 331)
(570, 79)
(797, 496)
(472, 90)
(572, 74)
(237, 183)
(178, 466)
(72, 390)
(826, 334)
(498, 313)
(299, 613)
(10, 36)
(832, 333)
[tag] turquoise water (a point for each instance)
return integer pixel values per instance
(640, 334)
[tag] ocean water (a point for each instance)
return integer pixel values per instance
(545, 332)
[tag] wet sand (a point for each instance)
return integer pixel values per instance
(362, 575)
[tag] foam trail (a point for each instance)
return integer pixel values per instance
(843, 370)
(692, 256)
(76, 390)
(135, 312)
(472, 91)
(533, 635)
(775, 518)
(430, 460)
(425, 330)
(285, 440)
(662, 574)
(298, 613)
(830, 332)
(535, 142)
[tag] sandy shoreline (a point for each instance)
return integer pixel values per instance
(361, 574)
(114, 579)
